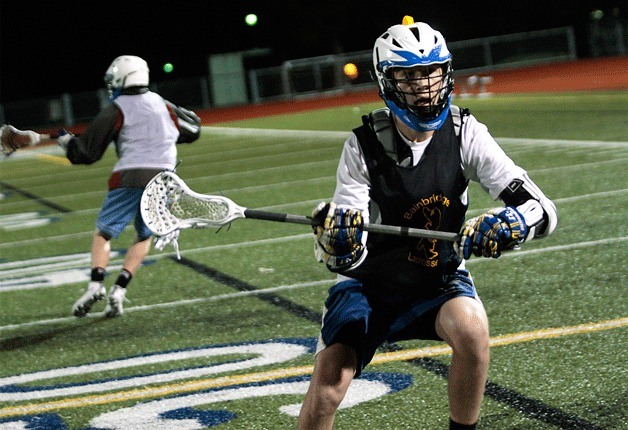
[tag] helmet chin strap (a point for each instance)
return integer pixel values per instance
(114, 93)
(414, 122)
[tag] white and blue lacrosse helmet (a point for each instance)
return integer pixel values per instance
(414, 45)
(124, 72)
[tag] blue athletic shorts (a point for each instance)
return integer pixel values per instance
(119, 208)
(360, 320)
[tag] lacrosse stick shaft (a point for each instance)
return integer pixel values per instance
(375, 228)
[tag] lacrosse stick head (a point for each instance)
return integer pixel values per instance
(13, 139)
(10, 140)
(168, 204)
(5, 132)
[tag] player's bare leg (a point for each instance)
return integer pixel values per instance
(136, 254)
(463, 324)
(101, 251)
(132, 261)
(95, 290)
(334, 369)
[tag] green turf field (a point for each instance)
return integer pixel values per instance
(224, 337)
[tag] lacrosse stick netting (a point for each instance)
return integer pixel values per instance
(168, 204)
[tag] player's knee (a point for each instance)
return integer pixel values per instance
(329, 399)
(104, 235)
(470, 337)
(472, 344)
(142, 238)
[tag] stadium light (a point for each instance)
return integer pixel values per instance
(250, 19)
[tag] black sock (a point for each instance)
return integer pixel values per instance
(98, 274)
(124, 278)
(457, 426)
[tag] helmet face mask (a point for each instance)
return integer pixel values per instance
(422, 90)
(124, 72)
(415, 76)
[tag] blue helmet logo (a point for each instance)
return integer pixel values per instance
(410, 59)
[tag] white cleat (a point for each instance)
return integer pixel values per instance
(95, 292)
(114, 301)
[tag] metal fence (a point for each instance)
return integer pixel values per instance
(301, 78)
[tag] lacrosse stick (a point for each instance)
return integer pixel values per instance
(13, 139)
(168, 204)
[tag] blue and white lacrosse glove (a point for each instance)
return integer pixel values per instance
(170, 238)
(338, 236)
(492, 232)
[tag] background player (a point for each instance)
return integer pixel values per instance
(145, 129)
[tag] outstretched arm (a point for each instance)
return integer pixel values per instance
(13, 139)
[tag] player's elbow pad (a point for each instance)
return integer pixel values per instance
(541, 217)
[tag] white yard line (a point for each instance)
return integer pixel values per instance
(196, 301)
(320, 134)
(12, 269)
(324, 134)
(328, 282)
(286, 206)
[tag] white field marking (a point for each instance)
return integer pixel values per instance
(41, 260)
(24, 220)
(25, 267)
(215, 298)
(228, 131)
(266, 187)
(578, 167)
(270, 132)
(601, 194)
(38, 265)
(232, 152)
(323, 134)
(295, 183)
(64, 198)
(305, 154)
(329, 282)
(11, 270)
(28, 242)
(153, 415)
(331, 179)
(142, 393)
(563, 142)
(264, 354)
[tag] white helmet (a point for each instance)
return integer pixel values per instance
(124, 72)
(409, 45)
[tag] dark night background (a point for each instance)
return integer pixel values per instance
(54, 47)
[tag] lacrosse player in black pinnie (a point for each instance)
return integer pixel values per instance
(410, 164)
(145, 129)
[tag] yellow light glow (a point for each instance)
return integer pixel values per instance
(350, 70)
